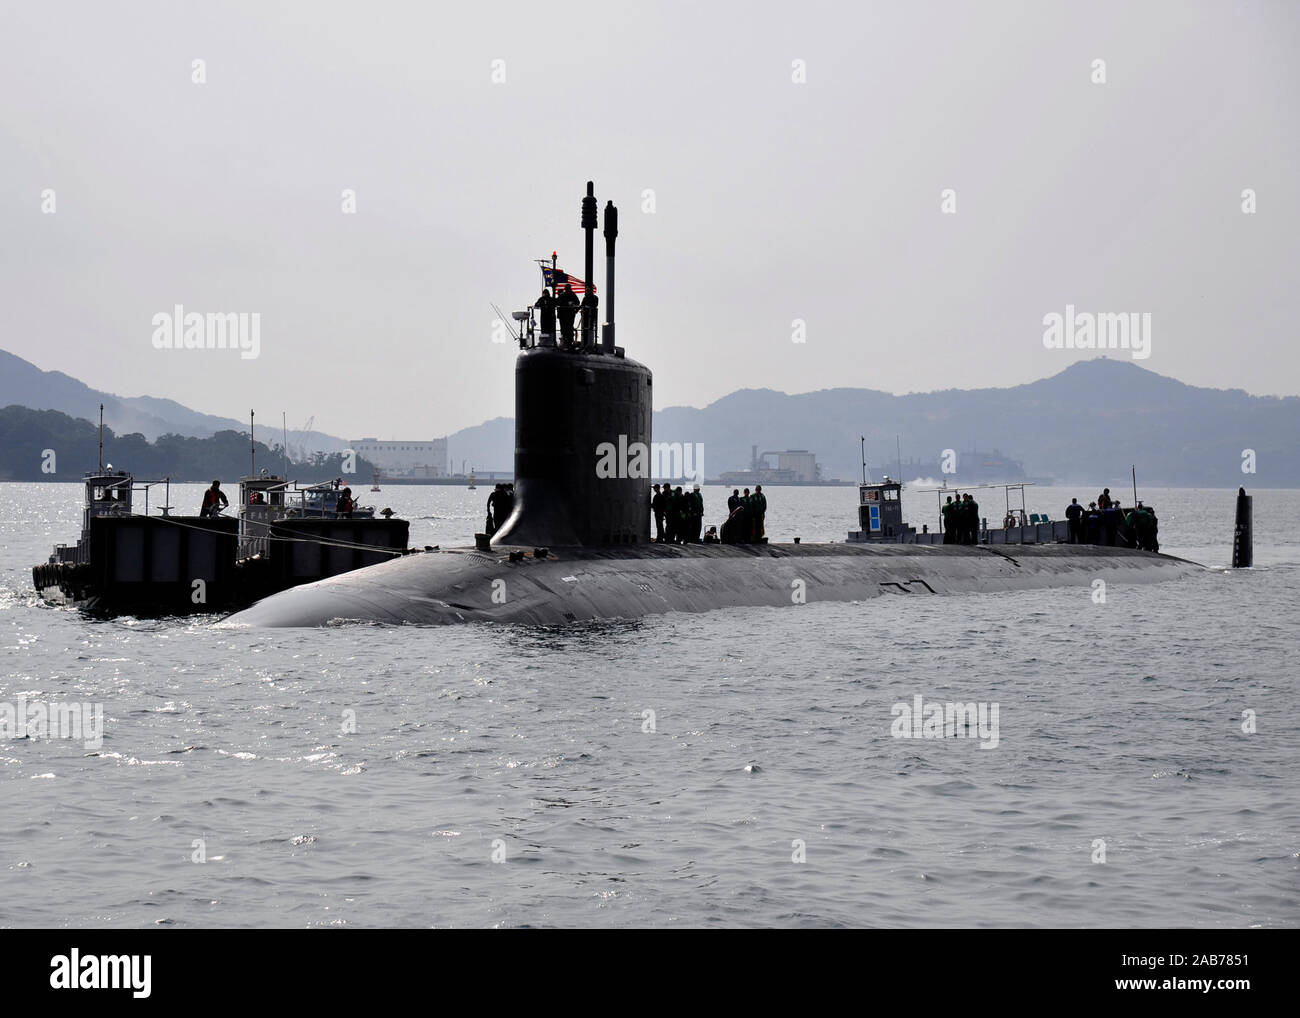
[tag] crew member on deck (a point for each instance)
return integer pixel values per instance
(566, 306)
(759, 504)
(670, 515)
(1153, 539)
(1092, 525)
(1074, 514)
(695, 503)
(658, 502)
(1143, 525)
(210, 499)
(495, 517)
(345, 504)
(735, 530)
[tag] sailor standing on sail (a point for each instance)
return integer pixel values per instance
(546, 305)
(567, 307)
(590, 315)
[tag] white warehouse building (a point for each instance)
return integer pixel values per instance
(423, 459)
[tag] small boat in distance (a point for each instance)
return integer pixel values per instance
(471, 478)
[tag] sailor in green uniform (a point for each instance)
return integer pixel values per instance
(949, 522)
(695, 515)
(970, 520)
(657, 507)
(759, 504)
(1144, 527)
(670, 515)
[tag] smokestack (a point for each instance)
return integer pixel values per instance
(611, 234)
(589, 226)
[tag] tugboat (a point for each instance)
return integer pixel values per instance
(129, 562)
(577, 544)
(126, 562)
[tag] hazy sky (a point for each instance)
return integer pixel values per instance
(774, 200)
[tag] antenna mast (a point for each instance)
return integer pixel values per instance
(101, 438)
(252, 450)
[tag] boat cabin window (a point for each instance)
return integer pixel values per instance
(875, 495)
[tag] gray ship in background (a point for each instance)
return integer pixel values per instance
(800, 467)
(577, 543)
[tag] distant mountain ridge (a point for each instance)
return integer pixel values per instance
(1087, 424)
(24, 384)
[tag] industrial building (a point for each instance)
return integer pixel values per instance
(399, 458)
(793, 466)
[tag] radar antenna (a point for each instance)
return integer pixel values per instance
(504, 319)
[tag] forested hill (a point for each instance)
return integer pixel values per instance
(24, 384)
(33, 441)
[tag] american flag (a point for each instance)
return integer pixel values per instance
(549, 276)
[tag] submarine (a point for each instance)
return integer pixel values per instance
(577, 545)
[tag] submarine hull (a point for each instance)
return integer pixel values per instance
(580, 583)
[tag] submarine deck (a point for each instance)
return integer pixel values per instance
(631, 581)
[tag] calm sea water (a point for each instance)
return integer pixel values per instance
(229, 790)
